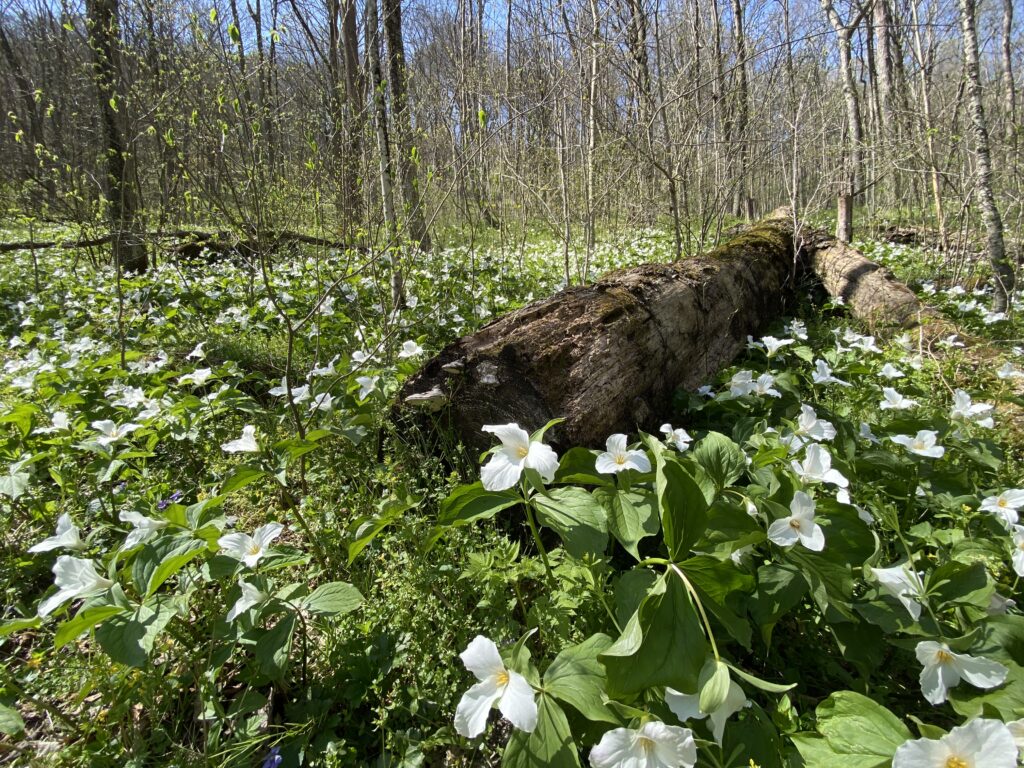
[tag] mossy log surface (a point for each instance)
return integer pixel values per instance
(608, 357)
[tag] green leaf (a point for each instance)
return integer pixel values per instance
(662, 644)
(11, 723)
(159, 560)
(681, 502)
(714, 580)
(550, 745)
(21, 417)
(779, 589)
(632, 516)
(856, 733)
(86, 619)
(334, 598)
(11, 626)
(576, 516)
(367, 528)
(721, 458)
(241, 477)
(274, 646)
(471, 502)
(14, 483)
(576, 678)
(128, 638)
(577, 466)
(757, 682)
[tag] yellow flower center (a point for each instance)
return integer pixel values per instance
(620, 459)
(254, 549)
(956, 762)
(522, 451)
(919, 445)
(794, 523)
(502, 677)
(1000, 503)
(944, 657)
(646, 744)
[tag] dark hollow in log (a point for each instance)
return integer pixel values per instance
(608, 357)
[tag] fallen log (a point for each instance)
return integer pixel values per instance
(608, 357)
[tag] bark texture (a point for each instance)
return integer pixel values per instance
(608, 357)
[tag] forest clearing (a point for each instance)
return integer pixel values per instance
(634, 384)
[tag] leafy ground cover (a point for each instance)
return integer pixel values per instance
(218, 549)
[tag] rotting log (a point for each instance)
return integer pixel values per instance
(870, 291)
(608, 357)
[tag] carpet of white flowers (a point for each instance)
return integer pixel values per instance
(219, 548)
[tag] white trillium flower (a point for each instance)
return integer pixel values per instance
(799, 526)
(894, 401)
(772, 345)
(686, 706)
(75, 577)
(198, 377)
(143, 527)
(890, 371)
(198, 353)
(866, 433)
(617, 458)
(112, 432)
(67, 536)
(508, 689)
(763, 385)
(59, 423)
(680, 438)
(322, 402)
(964, 409)
(1009, 371)
(944, 669)
(1018, 550)
(244, 444)
(797, 329)
(653, 745)
(1005, 506)
(517, 453)
(251, 597)
(923, 444)
(904, 584)
(808, 427)
(817, 467)
(250, 549)
(741, 384)
(981, 743)
(823, 374)
(410, 349)
(366, 385)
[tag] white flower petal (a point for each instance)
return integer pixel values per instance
(500, 473)
(481, 657)
(517, 703)
(474, 707)
(543, 459)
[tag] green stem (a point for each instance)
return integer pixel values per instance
(540, 547)
(700, 610)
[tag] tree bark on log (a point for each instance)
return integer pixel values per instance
(608, 357)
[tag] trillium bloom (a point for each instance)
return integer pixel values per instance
(799, 526)
(923, 444)
(1018, 550)
(823, 374)
(516, 454)
(964, 409)
(617, 458)
(198, 353)
(890, 371)
(59, 423)
(111, 432)
(808, 427)
(904, 584)
(1005, 506)
(75, 577)
(653, 745)
(979, 744)
(764, 386)
(944, 669)
(251, 597)
(741, 384)
(686, 706)
(143, 527)
(67, 536)
(773, 345)
(894, 401)
(250, 549)
(797, 329)
(244, 444)
(322, 402)
(366, 385)
(510, 690)
(198, 377)
(1009, 371)
(817, 467)
(680, 438)
(410, 349)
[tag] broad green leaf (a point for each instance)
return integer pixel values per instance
(11, 626)
(333, 599)
(714, 580)
(632, 516)
(576, 678)
(86, 619)
(577, 466)
(14, 483)
(274, 646)
(21, 417)
(241, 477)
(11, 723)
(577, 517)
(681, 502)
(128, 638)
(859, 733)
(630, 590)
(662, 644)
(550, 745)
(159, 560)
(757, 682)
(721, 458)
(472, 502)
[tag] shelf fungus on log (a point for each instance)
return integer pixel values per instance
(608, 357)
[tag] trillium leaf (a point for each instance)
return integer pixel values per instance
(857, 733)
(681, 502)
(662, 644)
(577, 466)
(576, 678)
(1007, 700)
(577, 517)
(241, 477)
(334, 598)
(274, 647)
(471, 502)
(128, 638)
(714, 580)
(632, 516)
(11, 722)
(14, 484)
(86, 619)
(366, 529)
(721, 458)
(779, 589)
(159, 560)
(16, 625)
(550, 745)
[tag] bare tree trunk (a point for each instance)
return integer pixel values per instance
(924, 65)
(105, 39)
(1009, 88)
(1002, 271)
(406, 160)
(743, 201)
